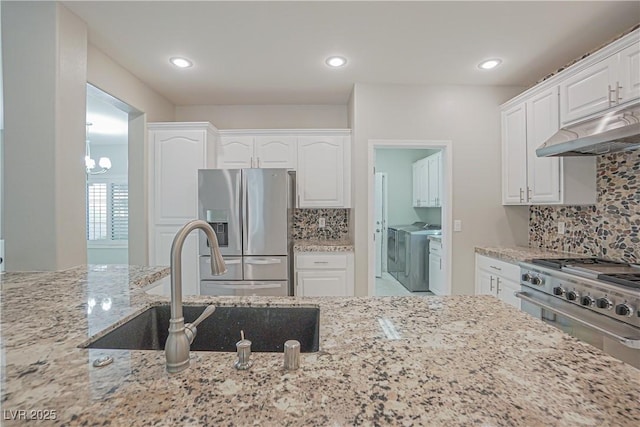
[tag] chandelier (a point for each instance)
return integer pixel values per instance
(104, 162)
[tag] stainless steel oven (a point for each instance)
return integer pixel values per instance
(585, 306)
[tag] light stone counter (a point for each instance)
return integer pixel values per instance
(516, 254)
(461, 360)
(323, 246)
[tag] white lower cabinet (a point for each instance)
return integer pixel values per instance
(321, 274)
(498, 278)
(161, 255)
(436, 274)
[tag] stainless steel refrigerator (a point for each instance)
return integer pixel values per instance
(250, 211)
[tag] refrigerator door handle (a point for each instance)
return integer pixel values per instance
(263, 261)
(244, 212)
(250, 286)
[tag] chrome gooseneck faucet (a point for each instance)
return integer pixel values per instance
(180, 335)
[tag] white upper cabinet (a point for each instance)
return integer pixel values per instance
(238, 151)
(427, 181)
(176, 154)
(604, 80)
(322, 174)
(514, 155)
(434, 164)
(276, 151)
(543, 173)
(235, 152)
(630, 73)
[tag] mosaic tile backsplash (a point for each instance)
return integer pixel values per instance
(305, 224)
(610, 228)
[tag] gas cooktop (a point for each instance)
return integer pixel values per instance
(560, 263)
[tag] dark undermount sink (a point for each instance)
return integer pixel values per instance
(266, 327)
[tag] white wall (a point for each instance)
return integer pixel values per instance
(469, 117)
(44, 51)
(397, 163)
(111, 77)
(266, 116)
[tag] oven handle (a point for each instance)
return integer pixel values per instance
(635, 344)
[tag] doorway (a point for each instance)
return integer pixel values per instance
(417, 182)
(107, 183)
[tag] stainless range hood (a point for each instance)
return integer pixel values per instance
(615, 131)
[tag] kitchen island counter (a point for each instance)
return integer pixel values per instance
(456, 360)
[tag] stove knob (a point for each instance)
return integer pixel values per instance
(558, 291)
(572, 296)
(526, 277)
(604, 303)
(624, 310)
(536, 281)
(587, 301)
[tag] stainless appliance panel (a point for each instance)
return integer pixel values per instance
(245, 288)
(392, 251)
(412, 248)
(233, 264)
(219, 205)
(266, 204)
(265, 267)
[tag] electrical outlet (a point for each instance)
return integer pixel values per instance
(561, 227)
(457, 225)
(322, 222)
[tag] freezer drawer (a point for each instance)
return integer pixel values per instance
(245, 288)
(233, 264)
(266, 268)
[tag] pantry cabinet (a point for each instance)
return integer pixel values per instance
(497, 278)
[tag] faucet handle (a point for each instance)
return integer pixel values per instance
(190, 328)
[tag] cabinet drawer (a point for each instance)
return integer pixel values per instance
(435, 248)
(325, 262)
(499, 268)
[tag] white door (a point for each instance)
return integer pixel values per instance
(486, 283)
(416, 185)
(506, 291)
(235, 152)
(379, 224)
(275, 152)
(514, 155)
(543, 173)
(320, 174)
(434, 170)
(322, 283)
(435, 275)
(629, 73)
(161, 255)
(589, 91)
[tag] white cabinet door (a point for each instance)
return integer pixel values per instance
(275, 152)
(320, 175)
(629, 75)
(434, 181)
(435, 275)
(177, 156)
(416, 185)
(235, 152)
(543, 174)
(322, 283)
(589, 91)
(161, 255)
(486, 283)
(506, 291)
(514, 155)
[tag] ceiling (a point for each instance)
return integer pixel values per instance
(273, 52)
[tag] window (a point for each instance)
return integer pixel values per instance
(107, 212)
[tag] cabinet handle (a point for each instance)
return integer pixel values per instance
(498, 290)
(611, 101)
(251, 161)
(495, 268)
(521, 195)
(528, 193)
(491, 283)
(618, 97)
(321, 262)
(258, 162)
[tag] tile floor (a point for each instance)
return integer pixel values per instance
(388, 286)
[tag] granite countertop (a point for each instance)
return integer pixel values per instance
(459, 360)
(516, 254)
(323, 246)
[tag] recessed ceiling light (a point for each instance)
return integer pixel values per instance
(489, 64)
(181, 62)
(336, 61)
